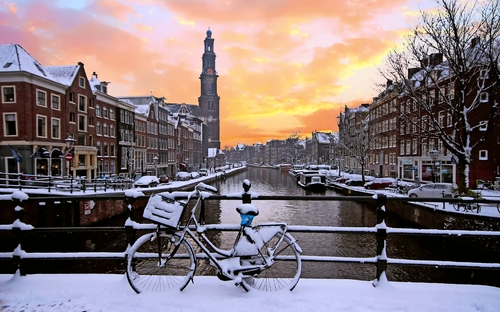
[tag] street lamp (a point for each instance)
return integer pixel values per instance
(434, 154)
(130, 155)
(70, 143)
(155, 161)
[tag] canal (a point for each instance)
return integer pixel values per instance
(267, 181)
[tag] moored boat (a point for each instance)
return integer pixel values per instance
(285, 167)
(296, 171)
(312, 181)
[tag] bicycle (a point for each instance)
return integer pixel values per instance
(466, 206)
(264, 257)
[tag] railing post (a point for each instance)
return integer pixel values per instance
(17, 231)
(381, 239)
(129, 228)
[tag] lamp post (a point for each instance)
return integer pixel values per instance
(70, 143)
(155, 162)
(130, 155)
(434, 154)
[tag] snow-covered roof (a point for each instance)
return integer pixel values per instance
(64, 74)
(14, 58)
(323, 138)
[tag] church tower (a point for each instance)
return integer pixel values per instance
(209, 99)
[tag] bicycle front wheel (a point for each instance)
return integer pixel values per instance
(285, 272)
(157, 264)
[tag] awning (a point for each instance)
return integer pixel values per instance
(57, 154)
(42, 152)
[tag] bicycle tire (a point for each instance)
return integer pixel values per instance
(498, 208)
(284, 274)
(457, 206)
(145, 274)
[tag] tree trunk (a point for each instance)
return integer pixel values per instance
(461, 175)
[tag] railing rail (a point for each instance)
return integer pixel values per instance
(131, 228)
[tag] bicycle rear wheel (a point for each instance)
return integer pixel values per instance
(156, 265)
(284, 274)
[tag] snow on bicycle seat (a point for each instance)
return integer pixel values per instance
(163, 210)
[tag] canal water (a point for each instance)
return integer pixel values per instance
(267, 181)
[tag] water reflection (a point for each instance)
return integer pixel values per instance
(342, 214)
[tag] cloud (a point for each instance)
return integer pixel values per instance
(284, 66)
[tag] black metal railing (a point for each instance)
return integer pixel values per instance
(381, 231)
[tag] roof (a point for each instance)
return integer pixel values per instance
(14, 58)
(64, 74)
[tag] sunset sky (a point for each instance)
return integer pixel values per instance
(284, 66)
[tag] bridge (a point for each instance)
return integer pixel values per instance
(15, 257)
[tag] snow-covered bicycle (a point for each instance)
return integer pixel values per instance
(264, 257)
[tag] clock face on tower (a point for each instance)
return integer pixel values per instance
(210, 71)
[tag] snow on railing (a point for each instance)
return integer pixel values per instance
(380, 230)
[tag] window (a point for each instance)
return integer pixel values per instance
(483, 155)
(104, 112)
(483, 97)
(72, 117)
(448, 119)
(99, 148)
(112, 131)
(10, 124)
(81, 82)
(82, 103)
(441, 115)
(82, 123)
(98, 128)
(56, 129)
(56, 102)
(98, 110)
(8, 94)
(72, 97)
(105, 129)
(112, 149)
(41, 98)
(483, 125)
(91, 103)
(41, 126)
(91, 121)
(106, 151)
(111, 114)
(451, 91)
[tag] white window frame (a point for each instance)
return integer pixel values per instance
(484, 97)
(44, 104)
(83, 122)
(37, 126)
(483, 155)
(98, 129)
(483, 125)
(4, 95)
(98, 110)
(58, 135)
(111, 114)
(5, 124)
(81, 82)
(52, 97)
(84, 103)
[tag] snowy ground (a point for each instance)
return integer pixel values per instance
(101, 292)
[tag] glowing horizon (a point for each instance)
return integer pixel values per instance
(286, 67)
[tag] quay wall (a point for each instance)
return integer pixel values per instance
(79, 209)
(432, 215)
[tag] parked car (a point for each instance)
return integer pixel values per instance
(163, 178)
(379, 183)
(203, 172)
(358, 181)
(147, 181)
(195, 175)
(182, 176)
(436, 190)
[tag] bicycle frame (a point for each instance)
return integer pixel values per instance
(219, 255)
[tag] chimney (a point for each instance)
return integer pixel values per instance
(94, 75)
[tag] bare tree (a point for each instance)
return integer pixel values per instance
(449, 71)
(355, 137)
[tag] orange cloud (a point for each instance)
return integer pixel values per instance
(284, 66)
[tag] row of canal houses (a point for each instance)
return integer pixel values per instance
(56, 121)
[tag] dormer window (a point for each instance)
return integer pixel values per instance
(81, 82)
